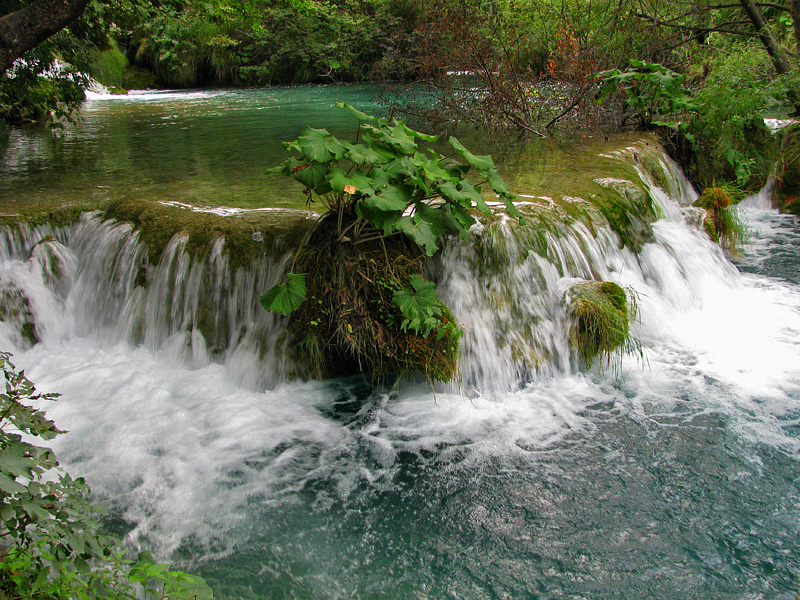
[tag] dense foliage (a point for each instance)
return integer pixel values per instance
(386, 184)
(52, 547)
(707, 74)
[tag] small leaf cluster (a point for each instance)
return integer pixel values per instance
(392, 182)
(651, 91)
(422, 309)
(53, 548)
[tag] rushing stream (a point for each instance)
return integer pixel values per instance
(675, 475)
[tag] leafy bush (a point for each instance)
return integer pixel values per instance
(385, 185)
(387, 198)
(35, 89)
(53, 548)
(651, 91)
(729, 137)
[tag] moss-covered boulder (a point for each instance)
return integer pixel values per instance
(721, 222)
(600, 320)
(247, 234)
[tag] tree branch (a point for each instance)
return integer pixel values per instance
(26, 28)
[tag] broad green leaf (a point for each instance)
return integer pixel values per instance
(432, 168)
(449, 191)
(362, 154)
(475, 196)
(339, 179)
(287, 297)
(421, 232)
(320, 146)
(376, 143)
(361, 116)
(190, 587)
(417, 134)
(9, 486)
(482, 163)
(419, 304)
(384, 220)
(311, 176)
(394, 197)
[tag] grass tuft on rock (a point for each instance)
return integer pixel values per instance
(601, 312)
(722, 222)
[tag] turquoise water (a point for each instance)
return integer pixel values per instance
(673, 477)
(204, 147)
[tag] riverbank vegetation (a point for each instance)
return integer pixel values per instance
(702, 74)
(52, 545)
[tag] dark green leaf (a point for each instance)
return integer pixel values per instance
(287, 297)
(482, 163)
(312, 176)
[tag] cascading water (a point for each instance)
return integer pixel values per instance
(669, 477)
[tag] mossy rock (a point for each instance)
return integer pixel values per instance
(600, 320)
(15, 310)
(247, 234)
(629, 210)
(721, 221)
(349, 324)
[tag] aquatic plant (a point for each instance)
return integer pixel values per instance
(53, 547)
(389, 202)
(601, 312)
(722, 222)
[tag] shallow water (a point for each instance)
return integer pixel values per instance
(675, 476)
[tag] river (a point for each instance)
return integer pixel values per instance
(675, 475)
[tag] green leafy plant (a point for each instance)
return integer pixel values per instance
(389, 199)
(52, 545)
(652, 92)
(422, 310)
(387, 184)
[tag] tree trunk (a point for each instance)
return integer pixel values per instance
(770, 43)
(794, 10)
(24, 29)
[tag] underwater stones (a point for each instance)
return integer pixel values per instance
(600, 319)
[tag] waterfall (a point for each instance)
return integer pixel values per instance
(183, 414)
(96, 282)
(506, 286)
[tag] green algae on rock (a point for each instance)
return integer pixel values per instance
(601, 312)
